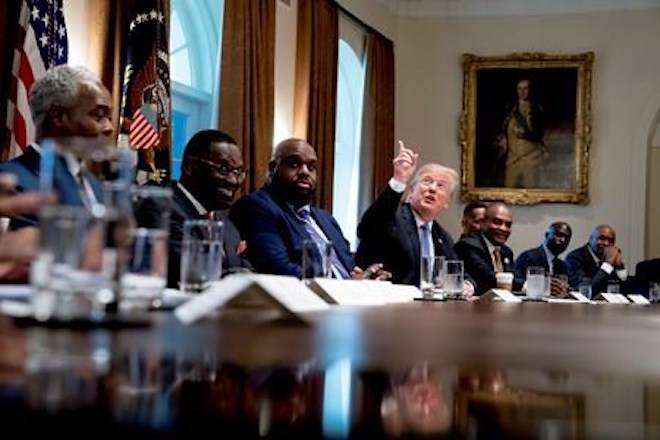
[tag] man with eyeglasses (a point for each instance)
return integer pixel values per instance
(278, 218)
(399, 228)
(211, 174)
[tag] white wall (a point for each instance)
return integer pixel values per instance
(285, 68)
(626, 97)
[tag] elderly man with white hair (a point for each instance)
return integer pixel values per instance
(399, 229)
(71, 106)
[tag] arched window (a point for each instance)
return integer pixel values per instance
(348, 129)
(195, 36)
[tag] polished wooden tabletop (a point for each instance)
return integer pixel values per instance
(473, 370)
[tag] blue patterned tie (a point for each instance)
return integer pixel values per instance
(305, 217)
(424, 240)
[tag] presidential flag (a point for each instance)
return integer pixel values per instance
(40, 45)
(145, 108)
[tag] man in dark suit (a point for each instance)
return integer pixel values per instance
(599, 262)
(400, 234)
(557, 238)
(486, 253)
(276, 219)
(211, 174)
(473, 215)
(70, 107)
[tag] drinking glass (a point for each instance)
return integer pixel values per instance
(145, 272)
(71, 275)
(201, 254)
(585, 288)
(562, 281)
(316, 259)
(654, 292)
(432, 274)
(536, 282)
(453, 278)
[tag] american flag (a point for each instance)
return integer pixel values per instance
(41, 44)
(144, 125)
(145, 108)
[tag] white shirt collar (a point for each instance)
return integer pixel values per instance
(419, 221)
(73, 164)
(548, 255)
(198, 206)
(489, 245)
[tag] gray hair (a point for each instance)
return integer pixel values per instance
(59, 87)
(433, 167)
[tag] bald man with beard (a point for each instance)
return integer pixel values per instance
(279, 217)
(598, 262)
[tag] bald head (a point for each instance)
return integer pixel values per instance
(557, 237)
(292, 169)
(497, 223)
(602, 237)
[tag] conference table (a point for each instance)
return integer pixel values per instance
(440, 369)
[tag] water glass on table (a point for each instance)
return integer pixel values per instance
(654, 292)
(453, 279)
(432, 275)
(71, 276)
(144, 274)
(559, 285)
(536, 282)
(201, 254)
(316, 259)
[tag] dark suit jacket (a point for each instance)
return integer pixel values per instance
(182, 210)
(646, 272)
(275, 236)
(581, 265)
(472, 249)
(537, 258)
(26, 168)
(388, 234)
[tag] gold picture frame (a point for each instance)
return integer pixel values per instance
(525, 128)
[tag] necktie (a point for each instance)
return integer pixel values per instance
(556, 264)
(424, 239)
(306, 219)
(82, 189)
(497, 258)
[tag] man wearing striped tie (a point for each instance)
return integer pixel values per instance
(278, 218)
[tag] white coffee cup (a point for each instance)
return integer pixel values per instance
(504, 280)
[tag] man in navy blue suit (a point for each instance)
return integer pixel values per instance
(399, 228)
(276, 219)
(599, 262)
(485, 254)
(557, 239)
(70, 106)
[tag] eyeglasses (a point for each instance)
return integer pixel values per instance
(225, 170)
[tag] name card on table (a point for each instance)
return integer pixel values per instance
(639, 299)
(286, 294)
(613, 298)
(579, 297)
(499, 295)
(363, 292)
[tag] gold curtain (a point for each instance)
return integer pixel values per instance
(378, 114)
(106, 52)
(316, 87)
(247, 89)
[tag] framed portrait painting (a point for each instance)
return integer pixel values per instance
(525, 128)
